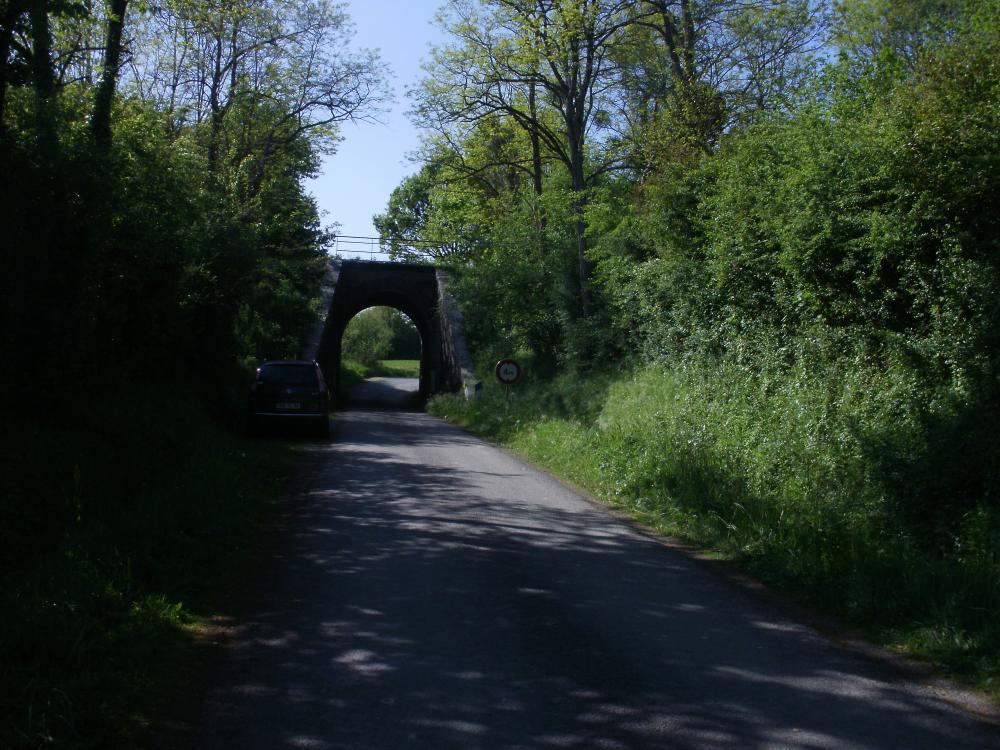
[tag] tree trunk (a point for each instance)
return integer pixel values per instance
(687, 28)
(536, 167)
(581, 253)
(215, 105)
(536, 148)
(42, 75)
(579, 222)
(41, 50)
(100, 122)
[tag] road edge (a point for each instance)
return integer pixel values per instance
(900, 667)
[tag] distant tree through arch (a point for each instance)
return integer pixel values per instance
(418, 291)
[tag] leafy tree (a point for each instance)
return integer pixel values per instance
(596, 91)
(692, 70)
(510, 52)
(287, 61)
(443, 209)
(404, 222)
(153, 248)
(100, 121)
(369, 335)
(380, 333)
(406, 343)
(196, 208)
(892, 33)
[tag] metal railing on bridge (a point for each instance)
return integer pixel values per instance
(382, 250)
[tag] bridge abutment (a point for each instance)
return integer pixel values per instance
(417, 290)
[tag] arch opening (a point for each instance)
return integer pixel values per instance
(415, 291)
(380, 357)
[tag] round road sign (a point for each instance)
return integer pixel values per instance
(508, 371)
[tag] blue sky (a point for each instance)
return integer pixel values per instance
(371, 159)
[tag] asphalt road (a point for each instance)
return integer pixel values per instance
(384, 392)
(433, 592)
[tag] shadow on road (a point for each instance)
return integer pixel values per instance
(385, 393)
(418, 605)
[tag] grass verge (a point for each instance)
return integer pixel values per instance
(399, 368)
(352, 372)
(120, 528)
(794, 479)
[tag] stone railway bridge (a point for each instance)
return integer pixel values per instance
(418, 290)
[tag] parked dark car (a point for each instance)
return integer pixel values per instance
(290, 392)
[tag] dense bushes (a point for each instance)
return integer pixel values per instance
(853, 236)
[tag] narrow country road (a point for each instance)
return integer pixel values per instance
(436, 593)
(385, 392)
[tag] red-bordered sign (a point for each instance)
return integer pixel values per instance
(508, 371)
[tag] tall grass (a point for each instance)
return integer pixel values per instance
(811, 480)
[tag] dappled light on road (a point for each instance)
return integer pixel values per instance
(434, 592)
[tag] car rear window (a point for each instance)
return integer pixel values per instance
(288, 374)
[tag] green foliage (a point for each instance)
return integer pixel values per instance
(115, 512)
(379, 333)
(367, 337)
(353, 373)
(406, 344)
(789, 471)
(182, 239)
(143, 269)
(815, 300)
(404, 223)
(891, 34)
(510, 305)
(399, 368)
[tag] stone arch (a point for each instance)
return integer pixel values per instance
(415, 290)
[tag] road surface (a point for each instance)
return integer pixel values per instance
(433, 592)
(385, 392)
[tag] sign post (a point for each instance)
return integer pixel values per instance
(508, 372)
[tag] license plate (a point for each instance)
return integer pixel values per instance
(288, 405)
